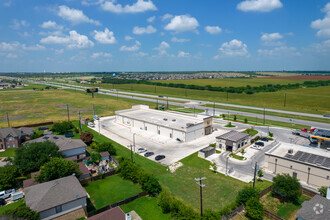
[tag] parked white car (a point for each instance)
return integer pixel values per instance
(256, 147)
(141, 150)
(91, 124)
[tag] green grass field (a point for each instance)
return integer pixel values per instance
(147, 208)
(12, 206)
(8, 152)
(111, 189)
(30, 107)
(309, 100)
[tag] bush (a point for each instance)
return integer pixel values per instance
(35, 136)
(323, 191)
(287, 187)
(95, 158)
(235, 117)
(62, 127)
(245, 194)
(87, 137)
(106, 147)
(22, 212)
(254, 209)
(245, 120)
(270, 134)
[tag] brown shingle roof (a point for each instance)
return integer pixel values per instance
(113, 214)
(104, 154)
(233, 136)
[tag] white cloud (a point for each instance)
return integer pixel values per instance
(33, 48)
(151, 19)
(135, 47)
(92, 2)
(323, 47)
(16, 25)
(16, 46)
(162, 48)
(142, 54)
(323, 25)
(12, 56)
(166, 16)
(213, 29)
(72, 41)
(181, 23)
(51, 25)
(75, 16)
(271, 37)
(106, 37)
(144, 30)
(279, 52)
(137, 7)
(259, 5)
(7, 3)
(233, 48)
(179, 40)
(128, 38)
(100, 54)
(59, 51)
(183, 54)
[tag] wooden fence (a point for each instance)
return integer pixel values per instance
(113, 205)
(36, 125)
(94, 178)
(272, 215)
(233, 213)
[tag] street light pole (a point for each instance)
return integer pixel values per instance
(199, 182)
(255, 174)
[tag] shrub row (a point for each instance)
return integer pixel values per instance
(131, 171)
(255, 139)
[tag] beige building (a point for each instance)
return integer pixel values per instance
(309, 165)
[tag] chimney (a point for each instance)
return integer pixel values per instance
(328, 193)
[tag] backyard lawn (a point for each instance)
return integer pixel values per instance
(111, 189)
(146, 207)
(286, 210)
(8, 153)
(11, 206)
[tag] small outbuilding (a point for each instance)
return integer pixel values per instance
(105, 155)
(205, 152)
(232, 140)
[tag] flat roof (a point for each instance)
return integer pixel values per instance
(233, 136)
(162, 118)
(308, 155)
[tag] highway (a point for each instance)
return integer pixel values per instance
(197, 104)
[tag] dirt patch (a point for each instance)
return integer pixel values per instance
(302, 77)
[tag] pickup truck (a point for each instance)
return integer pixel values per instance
(5, 194)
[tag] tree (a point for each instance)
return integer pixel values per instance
(270, 134)
(57, 168)
(151, 184)
(287, 187)
(62, 127)
(260, 174)
(164, 201)
(31, 156)
(254, 209)
(95, 158)
(323, 191)
(223, 116)
(8, 175)
(245, 194)
(235, 117)
(107, 146)
(245, 120)
(22, 212)
(87, 137)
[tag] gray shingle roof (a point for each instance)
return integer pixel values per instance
(318, 208)
(62, 142)
(53, 193)
(233, 136)
(15, 132)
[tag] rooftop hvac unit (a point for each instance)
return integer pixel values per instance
(174, 120)
(290, 151)
(165, 119)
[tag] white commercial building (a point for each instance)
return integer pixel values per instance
(177, 126)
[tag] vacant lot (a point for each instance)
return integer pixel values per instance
(30, 107)
(110, 190)
(309, 100)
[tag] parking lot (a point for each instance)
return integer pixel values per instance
(160, 145)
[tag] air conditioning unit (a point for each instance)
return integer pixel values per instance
(290, 151)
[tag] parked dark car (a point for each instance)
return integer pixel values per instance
(2, 202)
(259, 143)
(148, 154)
(159, 157)
(264, 139)
(43, 128)
(69, 134)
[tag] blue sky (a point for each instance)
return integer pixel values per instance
(164, 35)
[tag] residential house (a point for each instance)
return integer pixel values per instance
(113, 214)
(13, 137)
(73, 149)
(317, 208)
(58, 198)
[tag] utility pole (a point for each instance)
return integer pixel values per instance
(79, 116)
(199, 182)
(213, 109)
(67, 108)
(8, 120)
(264, 115)
(134, 141)
(255, 174)
(131, 152)
(284, 99)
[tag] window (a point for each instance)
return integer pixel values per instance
(294, 175)
(158, 131)
(8, 145)
(14, 145)
(170, 135)
(290, 167)
(77, 157)
(58, 209)
(146, 128)
(327, 177)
